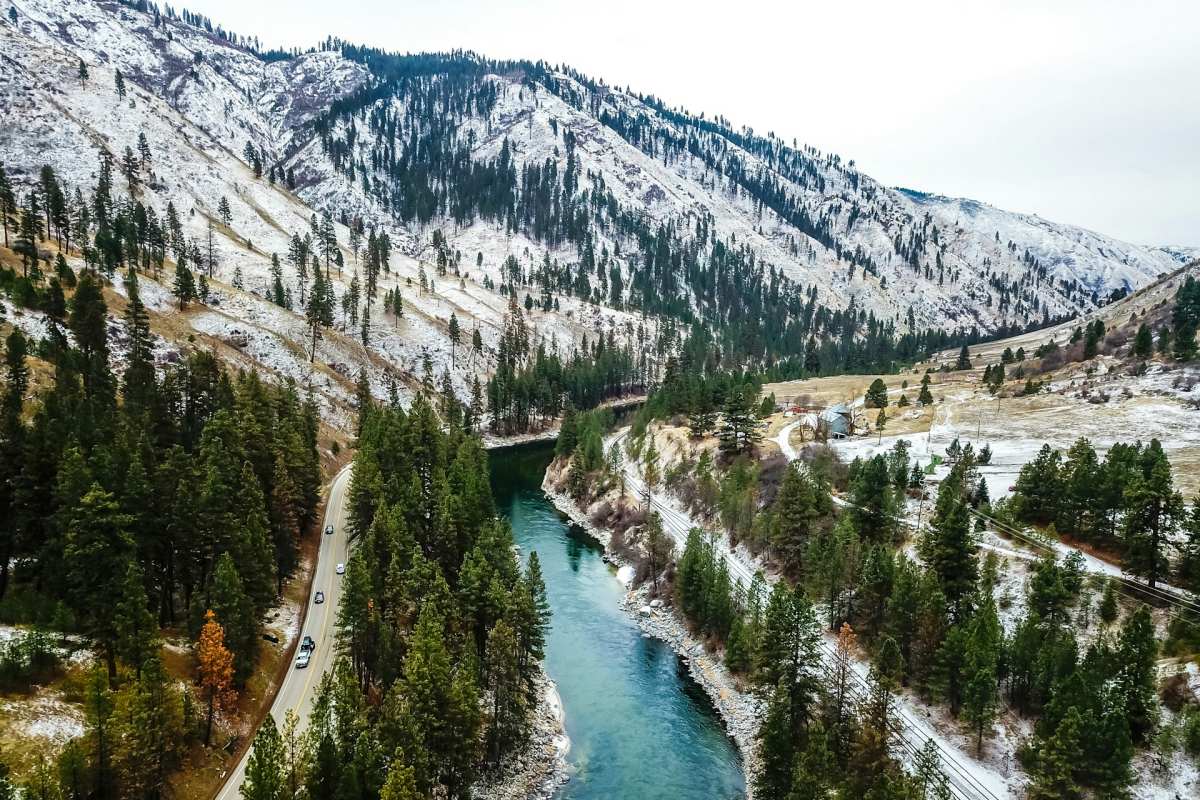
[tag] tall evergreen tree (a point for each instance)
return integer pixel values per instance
(264, 778)
(739, 430)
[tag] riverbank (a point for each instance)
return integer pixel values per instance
(536, 772)
(492, 441)
(738, 709)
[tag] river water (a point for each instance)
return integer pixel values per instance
(640, 727)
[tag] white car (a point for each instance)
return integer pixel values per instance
(341, 569)
(303, 658)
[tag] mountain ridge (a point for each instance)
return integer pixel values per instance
(623, 216)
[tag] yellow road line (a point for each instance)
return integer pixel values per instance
(328, 596)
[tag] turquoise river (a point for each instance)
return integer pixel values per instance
(640, 727)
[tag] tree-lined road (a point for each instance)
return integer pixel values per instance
(299, 687)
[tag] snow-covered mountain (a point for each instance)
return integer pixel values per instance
(354, 130)
(198, 100)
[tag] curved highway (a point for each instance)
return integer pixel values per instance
(300, 685)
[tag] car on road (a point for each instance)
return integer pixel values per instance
(329, 530)
(320, 598)
(341, 569)
(303, 658)
(307, 645)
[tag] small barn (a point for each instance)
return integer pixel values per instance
(837, 421)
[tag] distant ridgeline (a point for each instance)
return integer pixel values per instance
(422, 169)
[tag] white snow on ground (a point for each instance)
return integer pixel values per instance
(56, 721)
(197, 112)
(199, 100)
(1148, 406)
(1013, 440)
(970, 776)
(34, 324)
(44, 717)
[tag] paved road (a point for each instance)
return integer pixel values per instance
(300, 684)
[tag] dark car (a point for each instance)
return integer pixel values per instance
(307, 645)
(320, 598)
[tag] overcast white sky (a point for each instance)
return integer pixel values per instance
(1082, 112)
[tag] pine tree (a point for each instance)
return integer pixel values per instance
(401, 783)
(98, 710)
(1186, 318)
(8, 203)
(441, 702)
(650, 470)
(951, 553)
(658, 547)
(703, 416)
(502, 678)
(776, 747)
(253, 548)
(230, 601)
(319, 311)
(97, 547)
(277, 292)
(873, 501)
(264, 779)
(801, 504)
(535, 629)
(151, 736)
(925, 397)
(215, 672)
(365, 330)
(185, 285)
(12, 445)
(739, 431)
(1187, 570)
(886, 672)
(83, 73)
(120, 84)
(840, 711)
(980, 700)
(568, 433)
(1054, 777)
(295, 754)
(964, 359)
(137, 634)
(144, 153)
(139, 384)
(876, 396)
(455, 334)
(812, 360)
(1143, 343)
(1152, 512)
(738, 647)
(1108, 604)
(1137, 651)
(928, 772)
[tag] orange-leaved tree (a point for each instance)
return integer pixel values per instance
(216, 670)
